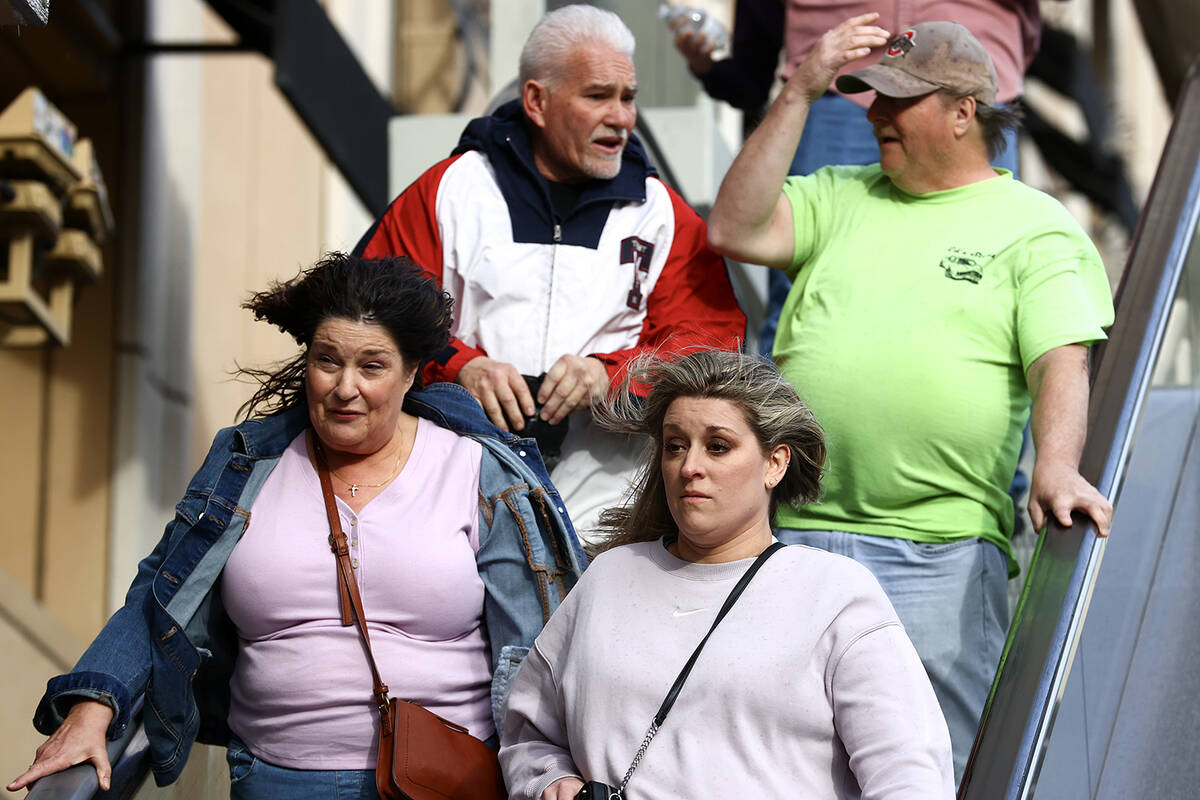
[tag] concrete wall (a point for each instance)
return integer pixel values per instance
(34, 644)
(54, 421)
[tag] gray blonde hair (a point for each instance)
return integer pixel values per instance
(772, 409)
(564, 30)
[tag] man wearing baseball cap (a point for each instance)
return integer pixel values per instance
(933, 297)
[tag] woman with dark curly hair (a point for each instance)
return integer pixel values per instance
(806, 687)
(235, 633)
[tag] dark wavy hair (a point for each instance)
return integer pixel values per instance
(772, 409)
(393, 292)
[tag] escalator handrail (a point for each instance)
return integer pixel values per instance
(1046, 625)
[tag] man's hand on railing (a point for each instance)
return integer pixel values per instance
(81, 737)
(1058, 489)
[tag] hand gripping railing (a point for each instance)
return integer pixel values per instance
(129, 756)
(1045, 631)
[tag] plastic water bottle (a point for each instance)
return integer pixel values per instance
(690, 18)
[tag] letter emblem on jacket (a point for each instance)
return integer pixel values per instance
(637, 252)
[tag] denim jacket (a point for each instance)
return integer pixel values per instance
(173, 641)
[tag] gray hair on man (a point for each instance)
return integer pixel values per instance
(561, 32)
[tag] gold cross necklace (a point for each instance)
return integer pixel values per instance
(354, 487)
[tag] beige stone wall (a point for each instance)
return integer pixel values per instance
(54, 420)
(78, 453)
(260, 220)
(19, 472)
(33, 645)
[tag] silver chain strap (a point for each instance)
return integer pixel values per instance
(619, 794)
(661, 716)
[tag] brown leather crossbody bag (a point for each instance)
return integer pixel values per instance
(421, 755)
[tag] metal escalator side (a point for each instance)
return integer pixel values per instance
(1047, 624)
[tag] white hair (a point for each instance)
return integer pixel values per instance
(561, 32)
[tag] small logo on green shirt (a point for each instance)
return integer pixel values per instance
(964, 265)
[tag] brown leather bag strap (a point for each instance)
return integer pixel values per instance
(335, 522)
(350, 599)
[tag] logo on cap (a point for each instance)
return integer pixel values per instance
(901, 43)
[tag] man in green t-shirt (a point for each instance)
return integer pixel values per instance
(933, 299)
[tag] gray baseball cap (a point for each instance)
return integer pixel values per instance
(925, 58)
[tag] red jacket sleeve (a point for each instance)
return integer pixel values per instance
(692, 305)
(409, 227)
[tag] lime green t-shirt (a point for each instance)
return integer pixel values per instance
(908, 330)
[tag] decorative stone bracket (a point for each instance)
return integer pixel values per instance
(54, 215)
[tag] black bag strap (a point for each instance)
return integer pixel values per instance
(669, 701)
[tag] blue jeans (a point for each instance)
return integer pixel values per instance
(953, 600)
(251, 778)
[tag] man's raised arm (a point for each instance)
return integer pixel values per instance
(751, 219)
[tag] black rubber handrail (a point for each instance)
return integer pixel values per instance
(1046, 625)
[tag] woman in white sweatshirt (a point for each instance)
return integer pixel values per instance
(808, 688)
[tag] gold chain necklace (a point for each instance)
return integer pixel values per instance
(354, 487)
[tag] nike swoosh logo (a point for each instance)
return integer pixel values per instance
(679, 612)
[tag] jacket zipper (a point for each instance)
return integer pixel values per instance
(557, 238)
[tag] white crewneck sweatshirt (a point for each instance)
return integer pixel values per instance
(809, 688)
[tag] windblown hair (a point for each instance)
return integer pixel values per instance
(392, 292)
(561, 32)
(994, 122)
(771, 407)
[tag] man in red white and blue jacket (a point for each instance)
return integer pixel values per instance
(564, 252)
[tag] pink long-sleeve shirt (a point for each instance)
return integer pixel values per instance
(301, 687)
